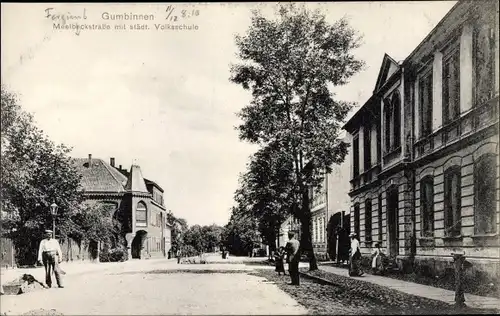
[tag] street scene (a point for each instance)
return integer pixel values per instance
(250, 158)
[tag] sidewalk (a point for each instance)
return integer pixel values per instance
(421, 290)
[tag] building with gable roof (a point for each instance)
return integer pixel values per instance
(136, 201)
(425, 162)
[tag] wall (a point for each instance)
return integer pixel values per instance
(473, 247)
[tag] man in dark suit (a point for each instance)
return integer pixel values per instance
(293, 257)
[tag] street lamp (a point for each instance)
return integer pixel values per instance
(53, 211)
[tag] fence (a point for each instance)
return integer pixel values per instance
(7, 258)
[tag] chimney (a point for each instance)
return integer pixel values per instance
(90, 160)
(112, 161)
(120, 167)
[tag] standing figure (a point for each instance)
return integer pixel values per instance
(377, 260)
(178, 255)
(50, 255)
(355, 257)
(279, 260)
(293, 258)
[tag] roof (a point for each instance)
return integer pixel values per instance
(135, 181)
(149, 182)
(389, 71)
(100, 177)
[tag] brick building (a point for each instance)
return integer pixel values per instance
(425, 164)
(136, 201)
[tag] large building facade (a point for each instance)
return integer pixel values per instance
(135, 201)
(425, 163)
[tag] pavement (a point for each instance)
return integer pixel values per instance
(158, 286)
(421, 290)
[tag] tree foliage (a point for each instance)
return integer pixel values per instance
(36, 173)
(265, 191)
(290, 65)
(240, 234)
(179, 227)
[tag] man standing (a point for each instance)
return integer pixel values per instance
(51, 255)
(293, 257)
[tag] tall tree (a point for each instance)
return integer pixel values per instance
(289, 64)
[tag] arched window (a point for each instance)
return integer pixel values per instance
(141, 213)
(396, 119)
(368, 220)
(485, 173)
(427, 206)
(452, 201)
(387, 125)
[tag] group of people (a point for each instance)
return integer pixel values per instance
(289, 254)
(377, 263)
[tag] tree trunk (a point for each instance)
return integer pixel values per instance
(305, 238)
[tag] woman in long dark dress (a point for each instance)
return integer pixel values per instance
(280, 261)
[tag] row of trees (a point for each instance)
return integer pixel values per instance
(196, 239)
(36, 173)
(291, 65)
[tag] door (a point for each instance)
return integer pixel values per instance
(392, 221)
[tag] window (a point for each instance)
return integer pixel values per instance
(368, 220)
(367, 146)
(485, 194)
(451, 84)
(141, 214)
(425, 103)
(379, 143)
(355, 163)
(427, 206)
(109, 207)
(356, 219)
(380, 217)
(484, 60)
(387, 125)
(396, 119)
(452, 202)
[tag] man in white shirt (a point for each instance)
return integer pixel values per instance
(51, 255)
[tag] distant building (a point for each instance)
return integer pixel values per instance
(137, 202)
(329, 214)
(425, 165)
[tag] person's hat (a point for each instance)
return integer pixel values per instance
(352, 235)
(48, 231)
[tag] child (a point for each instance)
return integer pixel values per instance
(377, 265)
(280, 261)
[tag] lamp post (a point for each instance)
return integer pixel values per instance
(53, 211)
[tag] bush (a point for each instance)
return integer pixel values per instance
(113, 255)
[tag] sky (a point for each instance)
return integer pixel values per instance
(162, 99)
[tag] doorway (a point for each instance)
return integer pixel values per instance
(138, 244)
(392, 221)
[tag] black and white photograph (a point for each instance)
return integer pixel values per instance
(250, 158)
